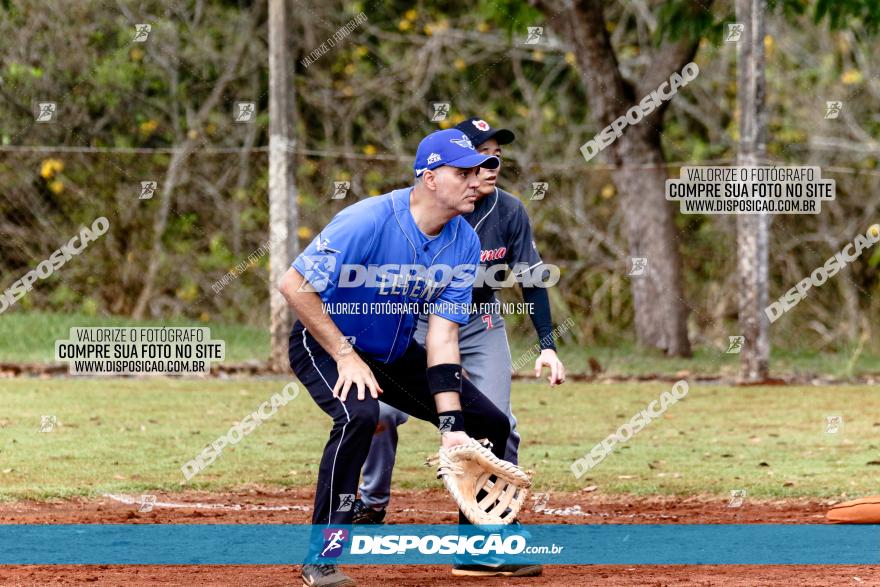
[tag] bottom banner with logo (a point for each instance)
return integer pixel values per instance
(272, 544)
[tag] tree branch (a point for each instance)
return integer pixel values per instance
(669, 59)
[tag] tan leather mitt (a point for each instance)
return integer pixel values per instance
(858, 511)
(488, 490)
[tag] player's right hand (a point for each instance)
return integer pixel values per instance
(450, 439)
(353, 370)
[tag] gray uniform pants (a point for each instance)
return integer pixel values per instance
(485, 356)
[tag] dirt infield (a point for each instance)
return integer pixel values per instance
(293, 506)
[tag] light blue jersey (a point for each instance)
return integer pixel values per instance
(361, 266)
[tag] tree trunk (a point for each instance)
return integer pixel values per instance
(752, 230)
(282, 191)
(660, 311)
(658, 298)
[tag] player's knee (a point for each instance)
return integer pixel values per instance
(390, 417)
(363, 416)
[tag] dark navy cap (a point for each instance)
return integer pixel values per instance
(479, 131)
(450, 147)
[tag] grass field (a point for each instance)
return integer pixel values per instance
(30, 337)
(131, 435)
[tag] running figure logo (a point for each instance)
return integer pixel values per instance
(539, 190)
(735, 344)
(541, 500)
(148, 188)
(48, 423)
(734, 32)
(439, 111)
(146, 503)
(318, 269)
(323, 245)
(639, 264)
(346, 345)
(46, 111)
(334, 540)
(832, 109)
(346, 500)
(244, 112)
(736, 498)
(535, 34)
(446, 423)
(833, 424)
(141, 33)
(340, 189)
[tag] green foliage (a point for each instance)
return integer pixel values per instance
(512, 16)
(685, 19)
(849, 13)
(841, 14)
(677, 19)
(367, 99)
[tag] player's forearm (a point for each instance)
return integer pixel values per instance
(310, 311)
(541, 317)
(441, 344)
(448, 401)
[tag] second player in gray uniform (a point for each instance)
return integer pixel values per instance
(502, 224)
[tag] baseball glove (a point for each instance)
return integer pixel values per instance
(488, 490)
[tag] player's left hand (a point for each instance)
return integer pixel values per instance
(549, 359)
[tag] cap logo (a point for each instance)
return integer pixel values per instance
(464, 141)
(481, 125)
(433, 158)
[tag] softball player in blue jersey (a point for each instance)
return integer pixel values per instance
(502, 224)
(347, 359)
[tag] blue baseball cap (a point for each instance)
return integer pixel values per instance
(450, 147)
